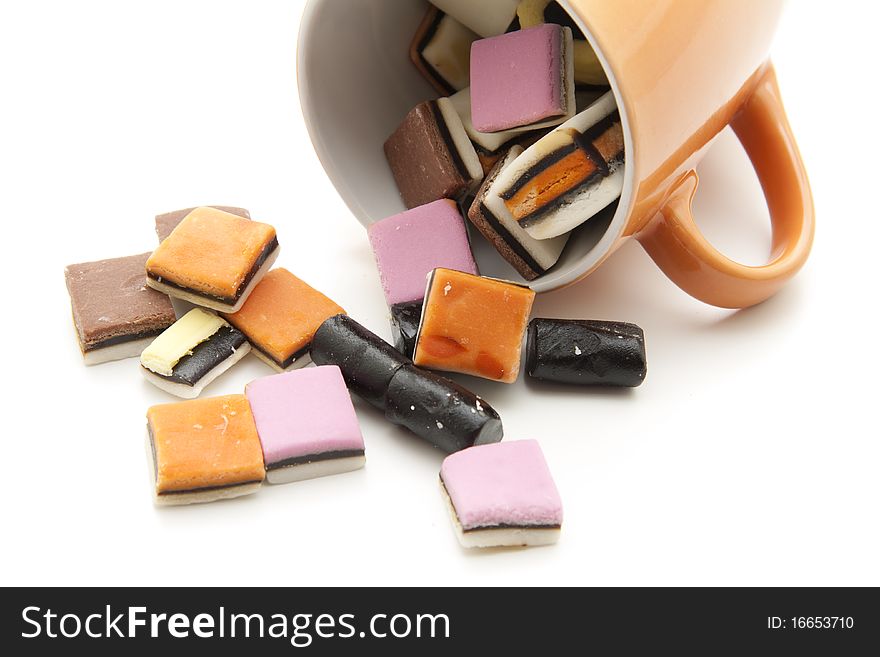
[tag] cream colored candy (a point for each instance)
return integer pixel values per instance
(449, 52)
(179, 340)
(485, 17)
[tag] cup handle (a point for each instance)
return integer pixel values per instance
(676, 244)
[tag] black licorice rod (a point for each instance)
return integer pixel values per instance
(432, 407)
(586, 352)
(440, 411)
(366, 360)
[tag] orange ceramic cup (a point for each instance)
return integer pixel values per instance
(681, 70)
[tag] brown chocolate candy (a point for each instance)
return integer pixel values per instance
(431, 155)
(114, 312)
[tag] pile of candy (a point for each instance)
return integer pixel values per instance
(445, 317)
(527, 137)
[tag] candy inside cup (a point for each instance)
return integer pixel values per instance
(356, 83)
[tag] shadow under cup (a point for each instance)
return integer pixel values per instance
(356, 84)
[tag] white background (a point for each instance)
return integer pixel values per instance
(749, 456)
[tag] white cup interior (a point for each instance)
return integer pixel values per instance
(356, 83)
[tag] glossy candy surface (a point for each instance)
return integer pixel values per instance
(405, 318)
(367, 362)
(440, 411)
(473, 325)
(585, 352)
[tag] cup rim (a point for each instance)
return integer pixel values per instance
(552, 280)
(307, 109)
(615, 230)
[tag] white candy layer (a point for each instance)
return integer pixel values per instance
(489, 537)
(544, 252)
(581, 204)
(119, 351)
(460, 139)
(196, 496)
(179, 340)
(203, 496)
(485, 17)
(606, 105)
(449, 52)
(191, 392)
(322, 468)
